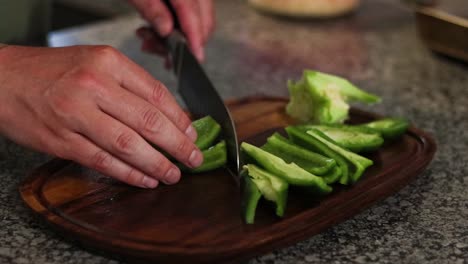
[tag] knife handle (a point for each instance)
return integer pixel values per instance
(173, 13)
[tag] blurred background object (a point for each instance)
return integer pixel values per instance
(306, 8)
(29, 21)
(444, 27)
(24, 19)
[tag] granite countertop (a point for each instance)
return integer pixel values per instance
(379, 49)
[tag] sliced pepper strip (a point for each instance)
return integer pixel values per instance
(250, 197)
(207, 130)
(355, 140)
(389, 127)
(290, 172)
(332, 176)
(213, 158)
(301, 138)
(310, 161)
(272, 187)
(358, 163)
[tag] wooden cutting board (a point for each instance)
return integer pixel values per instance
(198, 220)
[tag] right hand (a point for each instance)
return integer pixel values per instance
(91, 104)
(196, 19)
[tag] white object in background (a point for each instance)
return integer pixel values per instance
(306, 8)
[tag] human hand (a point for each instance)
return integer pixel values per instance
(92, 105)
(196, 19)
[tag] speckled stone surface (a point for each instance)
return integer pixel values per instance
(379, 49)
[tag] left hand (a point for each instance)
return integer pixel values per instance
(196, 19)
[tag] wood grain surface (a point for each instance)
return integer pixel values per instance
(198, 220)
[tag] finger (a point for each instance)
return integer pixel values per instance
(155, 12)
(188, 13)
(128, 146)
(88, 154)
(152, 124)
(207, 17)
(139, 82)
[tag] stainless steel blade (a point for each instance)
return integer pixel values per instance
(201, 97)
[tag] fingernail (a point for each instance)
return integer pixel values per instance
(162, 26)
(200, 54)
(149, 182)
(172, 176)
(191, 133)
(195, 159)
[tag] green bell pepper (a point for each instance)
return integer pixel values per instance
(312, 162)
(250, 197)
(345, 136)
(389, 127)
(272, 187)
(357, 164)
(301, 138)
(213, 158)
(290, 172)
(332, 176)
(207, 130)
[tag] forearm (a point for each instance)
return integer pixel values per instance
(2, 45)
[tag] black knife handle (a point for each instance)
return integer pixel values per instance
(175, 18)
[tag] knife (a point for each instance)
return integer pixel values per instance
(200, 95)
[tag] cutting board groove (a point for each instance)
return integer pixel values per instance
(198, 220)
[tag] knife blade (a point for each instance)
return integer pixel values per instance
(201, 97)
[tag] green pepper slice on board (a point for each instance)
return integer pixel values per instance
(301, 138)
(250, 197)
(345, 136)
(272, 187)
(332, 176)
(213, 158)
(357, 164)
(290, 172)
(389, 127)
(310, 161)
(207, 130)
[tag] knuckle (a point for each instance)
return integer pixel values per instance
(161, 168)
(182, 120)
(124, 143)
(85, 77)
(104, 54)
(158, 94)
(88, 82)
(183, 149)
(152, 121)
(101, 161)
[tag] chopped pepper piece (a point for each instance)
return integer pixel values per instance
(290, 172)
(355, 140)
(323, 98)
(250, 197)
(357, 164)
(332, 176)
(207, 130)
(272, 187)
(213, 158)
(301, 138)
(312, 162)
(389, 127)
